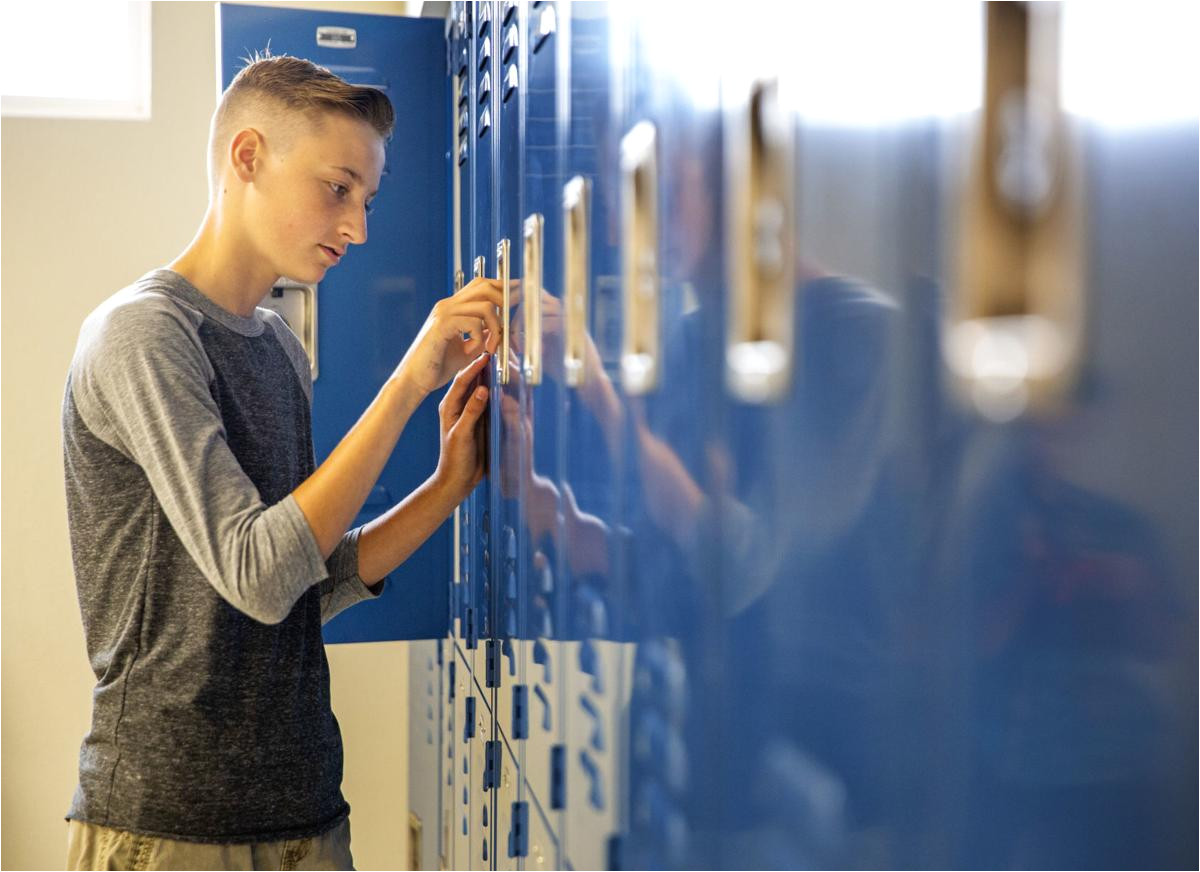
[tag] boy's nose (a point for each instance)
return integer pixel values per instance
(355, 229)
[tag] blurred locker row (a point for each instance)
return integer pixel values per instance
(841, 506)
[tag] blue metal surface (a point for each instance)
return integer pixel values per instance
(672, 559)
(594, 661)
(858, 623)
(371, 306)
(539, 531)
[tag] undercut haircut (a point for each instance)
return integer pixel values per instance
(294, 95)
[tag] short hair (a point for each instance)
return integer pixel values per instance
(295, 92)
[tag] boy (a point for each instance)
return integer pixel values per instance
(207, 550)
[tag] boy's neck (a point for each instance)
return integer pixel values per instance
(223, 268)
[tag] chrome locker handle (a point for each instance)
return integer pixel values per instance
(639, 214)
(532, 298)
(458, 280)
(502, 267)
(576, 211)
(1014, 333)
(760, 341)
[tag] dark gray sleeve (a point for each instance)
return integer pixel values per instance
(141, 383)
(345, 586)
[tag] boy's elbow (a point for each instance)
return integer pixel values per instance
(260, 609)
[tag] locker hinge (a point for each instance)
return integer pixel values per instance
(469, 719)
(492, 676)
(491, 763)
(452, 679)
(518, 836)
(558, 777)
(472, 636)
(520, 709)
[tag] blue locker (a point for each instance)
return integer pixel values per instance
(483, 261)
(508, 490)
(819, 588)
(370, 307)
(593, 655)
(672, 280)
(426, 713)
(539, 341)
(943, 658)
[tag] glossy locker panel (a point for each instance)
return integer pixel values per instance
(508, 481)
(476, 816)
(425, 752)
(672, 129)
(483, 260)
(455, 785)
(371, 305)
(508, 485)
(813, 478)
(463, 763)
(511, 844)
(543, 843)
(539, 347)
(1068, 538)
(593, 656)
(960, 670)
(451, 752)
(460, 25)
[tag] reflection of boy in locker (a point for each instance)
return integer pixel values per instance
(208, 551)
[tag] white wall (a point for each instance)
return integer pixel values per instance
(88, 206)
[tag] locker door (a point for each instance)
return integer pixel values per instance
(672, 279)
(592, 657)
(460, 24)
(370, 307)
(1067, 503)
(509, 487)
(478, 806)
(540, 353)
(827, 230)
(483, 259)
(425, 752)
(451, 754)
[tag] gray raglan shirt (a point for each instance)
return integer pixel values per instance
(202, 589)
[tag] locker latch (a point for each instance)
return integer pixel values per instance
(518, 836)
(558, 777)
(492, 673)
(469, 719)
(491, 763)
(520, 711)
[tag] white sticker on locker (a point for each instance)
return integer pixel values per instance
(337, 37)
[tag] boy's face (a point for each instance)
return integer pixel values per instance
(308, 204)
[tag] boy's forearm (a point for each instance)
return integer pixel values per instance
(390, 539)
(333, 495)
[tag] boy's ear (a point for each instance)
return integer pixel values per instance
(246, 152)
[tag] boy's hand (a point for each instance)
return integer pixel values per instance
(460, 465)
(456, 331)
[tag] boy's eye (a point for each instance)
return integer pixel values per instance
(340, 190)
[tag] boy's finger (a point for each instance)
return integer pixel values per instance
(474, 407)
(456, 397)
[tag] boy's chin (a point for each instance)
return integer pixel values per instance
(308, 273)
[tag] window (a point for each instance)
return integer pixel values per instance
(67, 60)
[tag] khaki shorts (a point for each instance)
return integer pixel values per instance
(95, 847)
